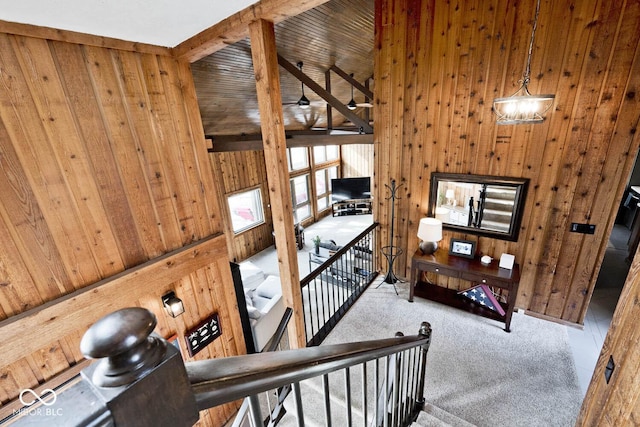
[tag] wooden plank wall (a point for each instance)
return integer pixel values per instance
(618, 402)
(236, 171)
(357, 160)
(103, 168)
(438, 67)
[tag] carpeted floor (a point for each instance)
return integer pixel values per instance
(475, 370)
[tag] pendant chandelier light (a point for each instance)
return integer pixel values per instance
(303, 102)
(522, 107)
(352, 104)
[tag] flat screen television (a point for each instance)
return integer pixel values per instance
(350, 188)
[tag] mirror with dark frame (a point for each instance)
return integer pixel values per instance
(484, 205)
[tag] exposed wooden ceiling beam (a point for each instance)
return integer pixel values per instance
(236, 27)
(254, 142)
(356, 84)
(322, 93)
(68, 36)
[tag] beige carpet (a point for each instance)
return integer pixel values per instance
(475, 370)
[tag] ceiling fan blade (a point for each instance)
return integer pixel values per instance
(364, 104)
(311, 103)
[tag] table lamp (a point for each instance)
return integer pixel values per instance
(430, 233)
(450, 196)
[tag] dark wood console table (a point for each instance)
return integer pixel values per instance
(466, 269)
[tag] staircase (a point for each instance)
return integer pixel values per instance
(498, 208)
(429, 416)
(378, 383)
(355, 396)
(369, 384)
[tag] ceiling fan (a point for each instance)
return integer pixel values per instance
(352, 105)
(364, 104)
(305, 103)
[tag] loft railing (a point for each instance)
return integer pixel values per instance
(335, 284)
(141, 379)
(271, 400)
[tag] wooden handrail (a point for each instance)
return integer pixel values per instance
(218, 381)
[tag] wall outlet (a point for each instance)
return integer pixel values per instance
(608, 371)
(583, 228)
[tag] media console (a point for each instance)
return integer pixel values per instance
(471, 270)
(351, 207)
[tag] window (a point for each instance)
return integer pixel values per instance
(300, 197)
(322, 154)
(298, 158)
(310, 174)
(246, 210)
(323, 186)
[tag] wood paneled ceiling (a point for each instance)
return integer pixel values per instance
(338, 33)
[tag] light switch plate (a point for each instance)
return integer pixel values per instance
(203, 334)
(583, 228)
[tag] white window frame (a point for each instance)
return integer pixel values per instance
(310, 197)
(241, 219)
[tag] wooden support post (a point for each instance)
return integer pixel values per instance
(327, 86)
(265, 66)
(367, 111)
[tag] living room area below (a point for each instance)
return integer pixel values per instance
(342, 229)
(339, 230)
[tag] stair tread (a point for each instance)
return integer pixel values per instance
(425, 419)
(433, 416)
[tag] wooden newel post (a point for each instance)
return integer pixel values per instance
(425, 331)
(139, 377)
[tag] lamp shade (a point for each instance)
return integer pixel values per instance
(430, 230)
(450, 194)
(172, 304)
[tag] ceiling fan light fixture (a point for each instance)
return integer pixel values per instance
(352, 104)
(522, 107)
(303, 102)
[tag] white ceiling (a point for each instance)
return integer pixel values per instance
(157, 22)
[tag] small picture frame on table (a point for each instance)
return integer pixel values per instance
(463, 248)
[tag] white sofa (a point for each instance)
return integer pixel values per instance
(265, 305)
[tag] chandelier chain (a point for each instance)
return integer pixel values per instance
(527, 71)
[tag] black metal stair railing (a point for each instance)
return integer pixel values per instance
(383, 381)
(272, 400)
(336, 283)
